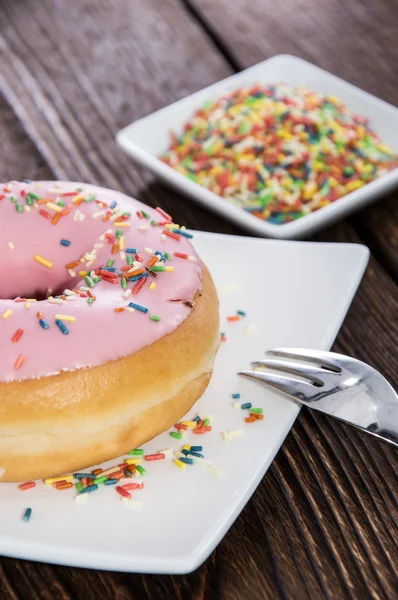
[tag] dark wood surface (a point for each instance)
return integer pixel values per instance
(324, 521)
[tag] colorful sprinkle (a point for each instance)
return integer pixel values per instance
(61, 326)
(43, 261)
(27, 515)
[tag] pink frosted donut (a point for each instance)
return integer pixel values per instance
(108, 326)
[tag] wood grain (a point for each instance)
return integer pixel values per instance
(323, 522)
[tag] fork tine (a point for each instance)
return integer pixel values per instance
(296, 368)
(330, 360)
(299, 390)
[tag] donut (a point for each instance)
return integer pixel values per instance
(109, 326)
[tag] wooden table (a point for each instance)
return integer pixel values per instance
(323, 522)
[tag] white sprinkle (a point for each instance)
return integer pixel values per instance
(122, 255)
(232, 434)
(97, 215)
(70, 298)
(68, 292)
(162, 237)
(227, 289)
(132, 504)
(37, 207)
(192, 258)
(90, 256)
(130, 309)
(125, 480)
(215, 470)
(98, 246)
(82, 217)
(115, 215)
(148, 250)
(26, 208)
(52, 300)
(76, 215)
(54, 190)
(90, 262)
(10, 245)
(127, 293)
(237, 404)
(81, 498)
(71, 273)
(159, 264)
(83, 288)
(143, 228)
(137, 263)
(250, 329)
(168, 452)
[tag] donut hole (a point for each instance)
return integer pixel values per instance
(19, 281)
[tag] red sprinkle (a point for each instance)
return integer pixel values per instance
(45, 214)
(180, 426)
(180, 255)
(123, 492)
(66, 485)
(233, 318)
(2, 196)
(17, 335)
(171, 234)
(69, 194)
(133, 486)
(158, 456)
(139, 258)
(163, 213)
(19, 362)
(140, 283)
(27, 486)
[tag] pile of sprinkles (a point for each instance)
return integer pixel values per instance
(279, 152)
(129, 268)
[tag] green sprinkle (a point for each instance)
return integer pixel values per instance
(136, 452)
(79, 486)
(126, 214)
(110, 262)
(168, 256)
(206, 422)
(124, 283)
(79, 189)
(145, 214)
(90, 300)
(19, 207)
(154, 223)
(141, 470)
(96, 279)
(89, 281)
(90, 198)
(60, 203)
(257, 411)
(119, 233)
(13, 199)
(33, 196)
(154, 318)
(129, 259)
(158, 269)
(99, 480)
(176, 435)
(29, 201)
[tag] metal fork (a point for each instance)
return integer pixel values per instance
(334, 384)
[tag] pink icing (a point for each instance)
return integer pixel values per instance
(99, 334)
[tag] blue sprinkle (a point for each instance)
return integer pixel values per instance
(197, 454)
(109, 269)
(113, 205)
(197, 448)
(241, 313)
(82, 475)
(246, 405)
(138, 307)
(186, 452)
(44, 324)
(110, 481)
(184, 233)
(65, 243)
(89, 488)
(62, 326)
(137, 277)
(27, 515)
(188, 461)
(27, 180)
(236, 396)
(197, 419)
(131, 250)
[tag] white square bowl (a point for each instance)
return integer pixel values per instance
(147, 138)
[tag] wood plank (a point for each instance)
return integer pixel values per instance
(321, 523)
(353, 40)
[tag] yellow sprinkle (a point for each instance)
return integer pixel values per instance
(186, 447)
(180, 464)
(7, 314)
(169, 268)
(121, 242)
(354, 185)
(78, 198)
(65, 318)
(43, 261)
(190, 424)
(27, 304)
(55, 207)
(83, 273)
(152, 286)
(31, 300)
(133, 461)
(51, 480)
(122, 224)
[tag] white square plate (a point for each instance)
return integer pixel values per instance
(147, 138)
(295, 294)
